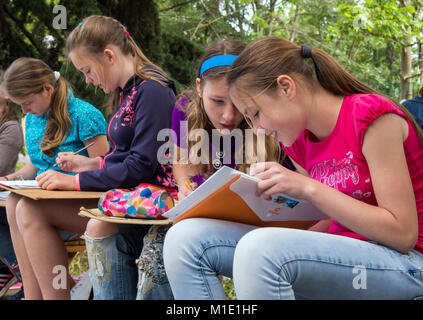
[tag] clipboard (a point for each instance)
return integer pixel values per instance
(230, 195)
(41, 194)
(97, 214)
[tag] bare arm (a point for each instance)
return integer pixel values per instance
(99, 148)
(182, 172)
(322, 225)
(394, 221)
(28, 172)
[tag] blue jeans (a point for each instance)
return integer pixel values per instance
(115, 272)
(282, 263)
(6, 246)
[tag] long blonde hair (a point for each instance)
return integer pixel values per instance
(95, 33)
(196, 115)
(28, 76)
(257, 68)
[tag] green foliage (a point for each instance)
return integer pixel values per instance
(365, 36)
(180, 58)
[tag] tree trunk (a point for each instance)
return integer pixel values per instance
(420, 62)
(405, 72)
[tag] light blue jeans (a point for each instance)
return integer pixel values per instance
(282, 263)
(115, 272)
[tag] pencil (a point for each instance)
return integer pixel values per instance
(79, 151)
(188, 185)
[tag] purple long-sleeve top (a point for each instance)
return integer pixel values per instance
(145, 109)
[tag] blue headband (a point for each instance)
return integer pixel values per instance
(217, 61)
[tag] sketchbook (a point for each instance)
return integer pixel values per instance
(230, 194)
(97, 214)
(21, 184)
(38, 193)
(4, 195)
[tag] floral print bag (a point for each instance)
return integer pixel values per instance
(147, 201)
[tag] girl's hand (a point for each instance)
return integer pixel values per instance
(278, 179)
(2, 179)
(183, 190)
(53, 180)
(67, 161)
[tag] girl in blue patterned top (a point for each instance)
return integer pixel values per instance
(56, 121)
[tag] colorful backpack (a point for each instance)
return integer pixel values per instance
(147, 201)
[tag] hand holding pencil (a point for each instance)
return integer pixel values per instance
(185, 186)
(73, 162)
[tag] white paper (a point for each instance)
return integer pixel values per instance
(268, 210)
(245, 187)
(4, 195)
(21, 184)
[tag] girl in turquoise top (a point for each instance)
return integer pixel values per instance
(56, 122)
(88, 123)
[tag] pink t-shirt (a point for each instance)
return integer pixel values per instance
(338, 161)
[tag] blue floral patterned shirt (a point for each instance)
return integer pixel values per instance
(87, 122)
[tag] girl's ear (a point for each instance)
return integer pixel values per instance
(287, 86)
(109, 55)
(198, 87)
(48, 89)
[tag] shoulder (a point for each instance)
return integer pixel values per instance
(153, 87)
(153, 97)
(180, 109)
(364, 109)
(11, 127)
(78, 106)
(10, 124)
(369, 105)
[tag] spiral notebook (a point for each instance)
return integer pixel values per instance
(230, 195)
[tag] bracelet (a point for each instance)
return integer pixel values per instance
(6, 178)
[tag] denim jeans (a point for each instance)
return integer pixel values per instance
(114, 265)
(152, 280)
(282, 263)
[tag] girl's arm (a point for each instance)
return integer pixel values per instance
(182, 172)
(393, 222)
(99, 148)
(67, 161)
(322, 225)
(28, 172)
(11, 142)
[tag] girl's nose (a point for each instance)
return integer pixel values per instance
(229, 113)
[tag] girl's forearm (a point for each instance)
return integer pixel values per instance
(373, 222)
(28, 172)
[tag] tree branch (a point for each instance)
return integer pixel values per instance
(176, 5)
(22, 27)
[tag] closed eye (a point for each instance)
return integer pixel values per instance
(218, 101)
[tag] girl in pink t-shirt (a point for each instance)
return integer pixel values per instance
(359, 159)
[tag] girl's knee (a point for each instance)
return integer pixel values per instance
(100, 229)
(11, 203)
(25, 214)
(188, 231)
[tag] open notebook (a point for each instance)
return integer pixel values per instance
(21, 184)
(231, 195)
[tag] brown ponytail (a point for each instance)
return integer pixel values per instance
(263, 60)
(95, 33)
(27, 76)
